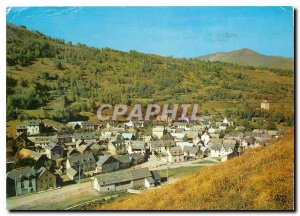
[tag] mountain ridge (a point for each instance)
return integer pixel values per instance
(250, 57)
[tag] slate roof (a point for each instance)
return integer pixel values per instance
(81, 158)
(21, 173)
(122, 176)
(138, 145)
(86, 135)
(34, 122)
(191, 150)
(155, 174)
(175, 151)
(124, 159)
(103, 159)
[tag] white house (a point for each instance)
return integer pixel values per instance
(205, 138)
(158, 131)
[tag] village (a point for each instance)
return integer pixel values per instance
(121, 156)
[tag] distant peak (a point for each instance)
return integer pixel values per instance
(246, 50)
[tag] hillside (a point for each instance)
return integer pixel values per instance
(251, 58)
(58, 81)
(260, 179)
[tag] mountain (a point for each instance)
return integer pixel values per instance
(260, 179)
(251, 58)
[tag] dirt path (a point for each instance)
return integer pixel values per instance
(58, 199)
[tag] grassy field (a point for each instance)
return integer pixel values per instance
(260, 179)
(179, 172)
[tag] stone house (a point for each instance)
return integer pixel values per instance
(21, 182)
(175, 154)
(107, 163)
(45, 179)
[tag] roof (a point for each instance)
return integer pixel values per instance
(52, 145)
(127, 135)
(158, 129)
(81, 158)
(122, 176)
(138, 145)
(150, 180)
(34, 122)
(21, 173)
(86, 135)
(124, 159)
(87, 123)
(265, 101)
(136, 156)
(26, 153)
(191, 149)
(21, 126)
(175, 151)
(71, 171)
(155, 174)
(103, 159)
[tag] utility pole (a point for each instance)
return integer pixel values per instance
(16, 186)
(79, 173)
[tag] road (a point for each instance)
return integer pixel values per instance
(58, 199)
(160, 165)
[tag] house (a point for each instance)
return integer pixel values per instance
(156, 176)
(181, 145)
(107, 163)
(117, 147)
(192, 152)
(33, 127)
(178, 136)
(123, 180)
(265, 104)
(88, 125)
(40, 159)
(42, 141)
(21, 182)
(54, 150)
(125, 161)
(180, 125)
(84, 164)
(21, 128)
(64, 137)
(158, 131)
(92, 136)
(191, 135)
(136, 146)
(127, 136)
(221, 150)
(136, 158)
(161, 146)
(23, 141)
(175, 154)
(45, 179)
(205, 138)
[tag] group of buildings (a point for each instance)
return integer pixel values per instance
(106, 153)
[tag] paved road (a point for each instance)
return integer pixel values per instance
(58, 199)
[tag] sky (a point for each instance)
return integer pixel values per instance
(168, 31)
